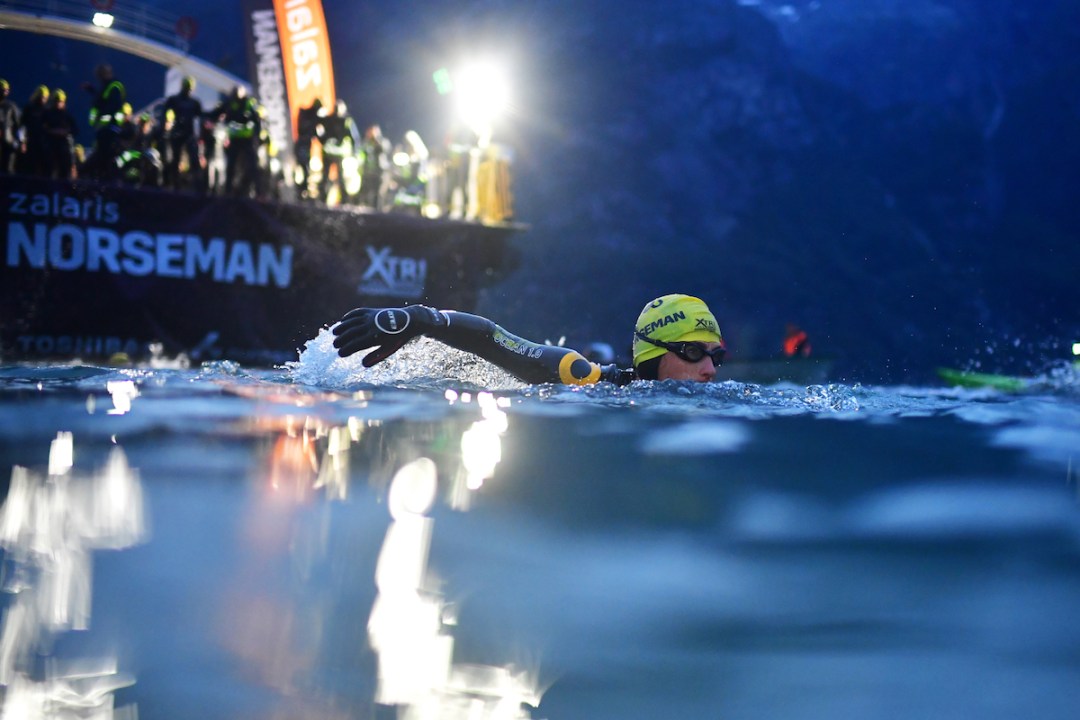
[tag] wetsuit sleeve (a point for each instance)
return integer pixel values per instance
(526, 360)
(384, 331)
(617, 375)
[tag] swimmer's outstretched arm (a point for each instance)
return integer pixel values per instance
(388, 329)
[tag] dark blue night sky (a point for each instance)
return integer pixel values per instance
(897, 177)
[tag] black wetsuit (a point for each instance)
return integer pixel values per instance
(9, 140)
(183, 138)
(338, 137)
(107, 119)
(307, 129)
(526, 360)
(241, 116)
(385, 330)
(60, 132)
(35, 159)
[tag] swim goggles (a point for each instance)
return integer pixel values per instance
(690, 351)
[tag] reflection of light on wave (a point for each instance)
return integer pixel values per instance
(123, 392)
(699, 438)
(409, 619)
(481, 446)
(48, 525)
(405, 627)
(408, 624)
(334, 470)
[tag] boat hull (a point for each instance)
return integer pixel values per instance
(92, 271)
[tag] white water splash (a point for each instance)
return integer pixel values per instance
(421, 361)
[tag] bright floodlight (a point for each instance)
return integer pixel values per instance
(1076, 348)
(103, 20)
(483, 95)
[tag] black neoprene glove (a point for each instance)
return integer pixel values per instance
(385, 329)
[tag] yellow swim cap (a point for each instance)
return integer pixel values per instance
(673, 318)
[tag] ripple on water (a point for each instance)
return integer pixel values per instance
(704, 437)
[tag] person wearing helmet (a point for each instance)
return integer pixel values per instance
(9, 129)
(240, 113)
(339, 138)
(676, 337)
(184, 113)
(375, 176)
(107, 117)
(60, 131)
(308, 123)
(34, 148)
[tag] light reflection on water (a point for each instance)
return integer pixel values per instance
(49, 525)
(655, 551)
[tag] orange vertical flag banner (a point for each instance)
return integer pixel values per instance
(305, 54)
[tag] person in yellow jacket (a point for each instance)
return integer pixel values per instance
(240, 114)
(106, 119)
(339, 137)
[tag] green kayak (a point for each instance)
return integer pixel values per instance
(963, 378)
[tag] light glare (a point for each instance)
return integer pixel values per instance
(61, 454)
(413, 488)
(123, 392)
(483, 96)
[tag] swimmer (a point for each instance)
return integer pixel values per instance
(676, 337)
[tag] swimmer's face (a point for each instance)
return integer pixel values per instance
(673, 367)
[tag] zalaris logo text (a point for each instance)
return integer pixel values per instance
(65, 207)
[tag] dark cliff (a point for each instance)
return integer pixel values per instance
(896, 178)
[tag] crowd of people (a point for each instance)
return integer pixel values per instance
(179, 144)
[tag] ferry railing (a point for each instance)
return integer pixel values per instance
(148, 32)
(142, 21)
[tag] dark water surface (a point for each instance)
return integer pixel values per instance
(321, 541)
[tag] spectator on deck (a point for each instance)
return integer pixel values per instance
(106, 119)
(60, 131)
(140, 161)
(271, 178)
(182, 138)
(410, 174)
(462, 145)
(34, 150)
(338, 138)
(375, 175)
(308, 122)
(9, 129)
(212, 137)
(240, 114)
